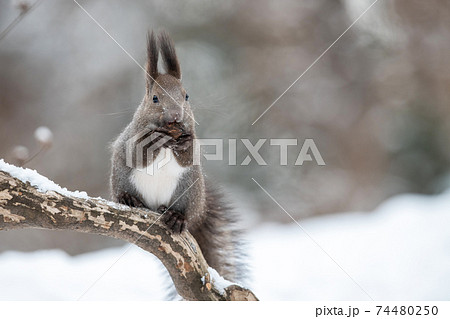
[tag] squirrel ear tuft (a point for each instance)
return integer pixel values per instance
(152, 60)
(169, 55)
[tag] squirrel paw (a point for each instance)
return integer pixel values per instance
(173, 219)
(130, 200)
(180, 144)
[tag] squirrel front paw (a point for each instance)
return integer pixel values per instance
(130, 200)
(174, 220)
(180, 144)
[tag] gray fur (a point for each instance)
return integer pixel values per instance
(209, 220)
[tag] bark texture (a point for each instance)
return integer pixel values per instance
(24, 206)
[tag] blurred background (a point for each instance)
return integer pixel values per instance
(376, 104)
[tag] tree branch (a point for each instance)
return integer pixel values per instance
(25, 206)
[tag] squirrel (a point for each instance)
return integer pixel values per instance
(164, 123)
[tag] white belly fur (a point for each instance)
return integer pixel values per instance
(158, 186)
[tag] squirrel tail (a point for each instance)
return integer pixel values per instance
(220, 238)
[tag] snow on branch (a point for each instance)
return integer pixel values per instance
(29, 200)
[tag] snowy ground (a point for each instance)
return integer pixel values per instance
(401, 251)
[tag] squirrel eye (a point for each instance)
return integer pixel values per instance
(155, 99)
(187, 97)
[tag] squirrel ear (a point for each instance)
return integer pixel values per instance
(152, 60)
(169, 55)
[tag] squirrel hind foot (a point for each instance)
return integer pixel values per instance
(174, 220)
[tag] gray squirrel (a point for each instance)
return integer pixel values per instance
(164, 123)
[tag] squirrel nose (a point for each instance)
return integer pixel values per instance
(173, 116)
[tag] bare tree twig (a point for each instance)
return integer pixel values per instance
(24, 11)
(24, 206)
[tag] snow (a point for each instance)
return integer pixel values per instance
(21, 153)
(54, 275)
(42, 183)
(400, 251)
(43, 135)
(218, 282)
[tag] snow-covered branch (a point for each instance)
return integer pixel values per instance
(29, 200)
